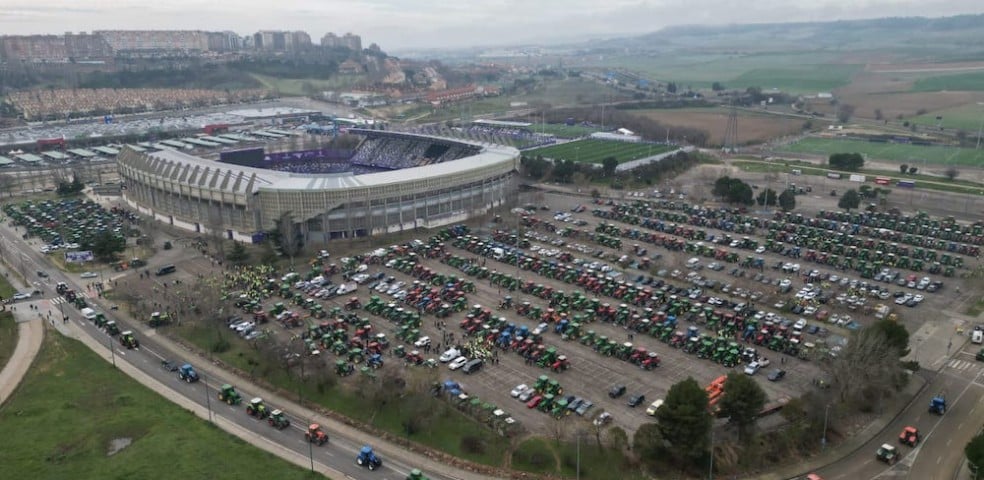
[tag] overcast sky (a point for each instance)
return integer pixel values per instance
(402, 24)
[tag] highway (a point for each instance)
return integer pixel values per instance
(336, 457)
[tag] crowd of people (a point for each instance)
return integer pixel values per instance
(516, 137)
(59, 104)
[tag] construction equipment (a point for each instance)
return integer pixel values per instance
(257, 408)
(938, 405)
(368, 458)
(187, 373)
(278, 420)
(909, 436)
(315, 434)
(228, 394)
(128, 340)
(887, 454)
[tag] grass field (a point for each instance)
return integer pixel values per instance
(543, 456)
(594, 151)
(8, 337)
(6, 289)
(806, 168)
(444, 432)
(956, 82)
(752, 127)
(967, 118)
(63, 420)
(890, 151)
(563, 131)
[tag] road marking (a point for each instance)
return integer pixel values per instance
(948, 442)
(939, 459)
(960, 426)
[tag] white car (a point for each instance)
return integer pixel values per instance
(760, 249)
(602, 419)
(21, 296)
(518, 390)
(763, 362)
(422, 342)
(457, 363)
(752, 368)
(651, 411)
(449, 354)
(89, 275)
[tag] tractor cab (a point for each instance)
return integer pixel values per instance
(416, 474)
(909, 436)
(257, 408)
(128, 340)
(229, 395)
(187, 373)
(278, 420)
(887, 454)
(368, 458)
(315, 434)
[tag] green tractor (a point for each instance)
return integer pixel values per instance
(111, 328)
(343, 368)
(416, 474)
(278, 420)
(257, 408)
(128, 340)
(229, 395)
(158, 319)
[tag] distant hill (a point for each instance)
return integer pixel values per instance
(960, 36)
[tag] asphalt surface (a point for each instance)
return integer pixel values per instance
(339, 454)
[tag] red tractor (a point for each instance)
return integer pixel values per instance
(651, 361)
(561, 364)
(315, 434)
(909, 436)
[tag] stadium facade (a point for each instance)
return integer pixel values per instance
(201, 195)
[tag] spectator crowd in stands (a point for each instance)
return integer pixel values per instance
(67, 103)
(515, 137)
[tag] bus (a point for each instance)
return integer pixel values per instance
(906, 183)
(883, 180)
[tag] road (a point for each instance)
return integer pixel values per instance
(938, 456)
(338, 455)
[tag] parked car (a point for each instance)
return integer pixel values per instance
(602, 419)
(449, 354)
(752, 368)
(776, 375)
(89, 275)
(636, 400)
(584, 407)
(651, 411)
(617, 391)
(534, 401)
(458, 363)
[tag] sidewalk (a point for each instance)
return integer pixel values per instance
(856, 441)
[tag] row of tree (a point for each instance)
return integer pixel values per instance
(566, 171)
(734, 190)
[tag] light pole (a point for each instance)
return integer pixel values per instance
(112, 351)
(823, 440)
(710, 468)
(208, 398)
(311, 448)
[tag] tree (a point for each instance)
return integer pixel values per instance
(717, 86)
(845, 112)
(849, 200)
(846, 161)
(766, 197)
(903, 168)
(878, 114)
(866, 370)
(684, 421)
(7, 183)
(671, 87)
(975, 453)
(895, 335)
(647, 441)
(951, 173)
(787, 200)
(238, 254)
(288, 236)
(913, 170)
(743, 400)
(733, 190)
(105, 246)
(608, 165)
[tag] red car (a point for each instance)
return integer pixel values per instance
(534, 401)
(909, 436)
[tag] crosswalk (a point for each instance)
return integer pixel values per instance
(962, 365)
(60, 300)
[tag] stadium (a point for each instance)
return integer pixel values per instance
(390, 181)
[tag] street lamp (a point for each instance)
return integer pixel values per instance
(208, 398)
(823, 440)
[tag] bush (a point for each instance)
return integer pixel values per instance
(221, 346)
(472, 445)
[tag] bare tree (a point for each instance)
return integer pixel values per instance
(7, 183)
(951, 173)
(866, 371)
(289, 236)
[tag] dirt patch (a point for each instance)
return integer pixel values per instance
(118, 444)
(751, 128)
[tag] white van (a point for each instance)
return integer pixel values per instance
(89, 313)
(693, 263)
(977, 337)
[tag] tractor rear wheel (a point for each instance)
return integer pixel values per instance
(372, 466)
(358, 460)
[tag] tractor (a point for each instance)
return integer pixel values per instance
(368, 458)
(343, 368)
(111, 328)
(416, 474)
(938, 405)
(187, 373)
(315, 434)
(228, 394)
(278, 420)
(257, 408)
(887, 454)
(128, 340)
(909, 436)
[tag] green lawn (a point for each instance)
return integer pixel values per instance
(8, 337)
(563, 131)
(967, 118)
(6, 289)
(917, 154)
(594, 151)
(444, 432)
(971, 81)
(73, 405)
(805, 168)
(542, 456)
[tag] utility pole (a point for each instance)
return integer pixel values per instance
(208, 399)
(710, 468)
(823, 441)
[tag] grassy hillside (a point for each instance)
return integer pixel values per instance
(73, 407)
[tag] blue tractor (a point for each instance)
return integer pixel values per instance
(938, 405)
(368, 458)
(187, 373)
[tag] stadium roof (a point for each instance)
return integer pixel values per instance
(264, 134)
(137, 148)
(5, 161)
(278, 180)
(55, 155)
(502, 123)
(281, 132)
(224, 141)
(175, 143)
(201, 142)
(28, 157)
(258, 113)
(82, 152)
(110, 150)
(236, 137)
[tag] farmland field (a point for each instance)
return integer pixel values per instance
(959, 81)
(75, 416)
(752, 127)
(967, 118)
(890, 151)
(594, 151)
